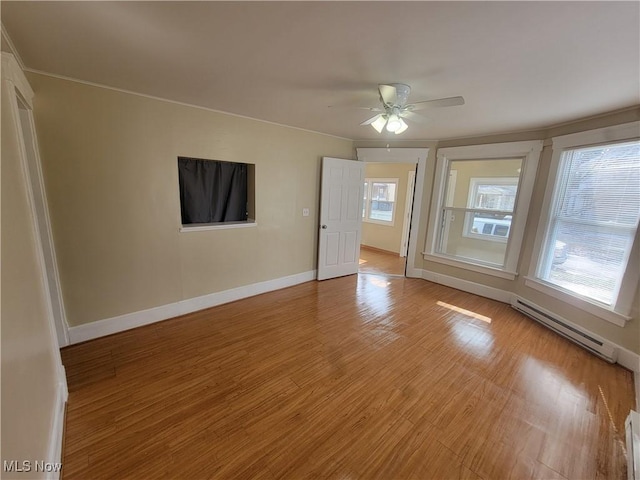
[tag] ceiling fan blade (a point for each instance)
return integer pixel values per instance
(371, 109)
(388, 94)
(414, 117)
(371, 120)
(441, 102)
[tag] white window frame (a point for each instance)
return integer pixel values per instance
(474, 183)
(529, 152)
(367, 209)
(618, 313)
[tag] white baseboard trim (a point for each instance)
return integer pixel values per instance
(56, 435)
(629, 360)
(626, 358)
(467, 286)
(108, 326)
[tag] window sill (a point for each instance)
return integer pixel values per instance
(379, 222)
(582, 303)
(200, 227)
(486, 238)
(474, 267)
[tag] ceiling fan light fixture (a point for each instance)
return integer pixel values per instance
(379, 123)
(393, 125)
(403, 127)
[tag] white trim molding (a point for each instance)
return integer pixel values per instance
(20, 105)
(470, 265)
(12, 48)
(202, 227)
(581, 303)
(56, 435)
(367, 207)
(20, 95)
(11, 70)
(503, 296)
(637, 383)
(629, 360)
(528, 151)
(615, 133)
(108, 326)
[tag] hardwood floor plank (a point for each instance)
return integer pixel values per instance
(358, 377)
(380, 262)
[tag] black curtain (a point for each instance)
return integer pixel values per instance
(212, 191)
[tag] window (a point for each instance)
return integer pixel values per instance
(480, 205)
(379, 203)
(214, 193)
(593, 216)
(491, 204)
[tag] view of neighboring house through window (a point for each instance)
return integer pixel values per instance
(379, 203)
(491, 203)
(593, 219)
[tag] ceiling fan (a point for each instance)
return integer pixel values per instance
(395, 108)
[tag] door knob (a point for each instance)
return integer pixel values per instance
(324, 226)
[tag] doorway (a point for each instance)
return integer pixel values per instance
(33, 173)
(387, 261)
(386, 217)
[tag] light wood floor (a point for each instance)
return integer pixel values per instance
(379, 262)
(357, 377)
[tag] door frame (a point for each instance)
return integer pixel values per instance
(408, 208)
(22, 109)
(404, 155)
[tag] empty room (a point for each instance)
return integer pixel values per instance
(391, 240)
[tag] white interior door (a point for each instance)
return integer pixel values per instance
(340, 217)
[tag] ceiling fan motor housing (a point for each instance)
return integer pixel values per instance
(402, 94)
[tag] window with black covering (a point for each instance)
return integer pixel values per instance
(212, 191)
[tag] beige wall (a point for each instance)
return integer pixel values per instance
(388, 237)
(30, 359)
(109, 161)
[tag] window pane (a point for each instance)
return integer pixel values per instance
(479, 248)
(488, 184)
(588, 260)
(491, 187)
(383, 191)
(495, 197)
(484, 223)
(593, 223)
(383, 195)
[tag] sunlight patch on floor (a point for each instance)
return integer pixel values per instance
(378, 282)
(464, 312)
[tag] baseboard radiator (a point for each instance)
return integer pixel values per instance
(596, 345)
(632, 426)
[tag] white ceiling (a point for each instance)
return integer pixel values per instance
(519, 65)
